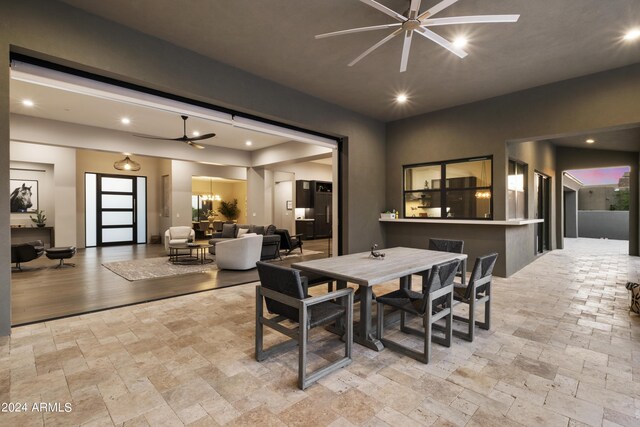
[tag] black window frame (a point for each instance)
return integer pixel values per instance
(444, 188)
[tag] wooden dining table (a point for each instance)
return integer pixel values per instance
(367, 271)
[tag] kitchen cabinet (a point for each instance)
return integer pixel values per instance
(306, 228)
(303, 194)
(322, 208)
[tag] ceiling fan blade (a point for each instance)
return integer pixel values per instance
(357, 30)
(406, 47)
(441, 41)
(375, 46)
(201, 137)
(385, 10)
(154, 137)
(194, 145)
(435, 9)
(414, 8)
(478, 19)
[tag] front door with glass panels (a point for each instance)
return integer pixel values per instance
(115, 209)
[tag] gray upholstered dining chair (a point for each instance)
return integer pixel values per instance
(477, 292)
(432, 305)
(284, 292)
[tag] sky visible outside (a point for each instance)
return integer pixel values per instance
(600, 176)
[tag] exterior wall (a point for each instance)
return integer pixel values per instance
(570, 213)
(478, 239)
(604, 224)
(5, 229)
(484, 128)
(576, 158)
(596, 198)
(68, 36)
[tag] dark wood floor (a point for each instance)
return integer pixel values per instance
(41, 292)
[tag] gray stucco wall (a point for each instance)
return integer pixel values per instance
(483, 128)
(478, 239)
(604, 224)
(62, 34)
(571, 213)
(596, 198)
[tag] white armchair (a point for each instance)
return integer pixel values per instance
(239, 254)
(176, 235)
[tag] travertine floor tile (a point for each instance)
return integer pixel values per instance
(563, 350)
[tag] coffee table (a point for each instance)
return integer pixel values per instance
(178, 254)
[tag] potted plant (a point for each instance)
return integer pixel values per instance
(40, 218)
(229, 210)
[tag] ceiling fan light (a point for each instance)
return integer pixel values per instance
(460, 42)
(632, 34)
(127, 164)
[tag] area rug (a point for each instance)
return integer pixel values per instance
(150, 268)
(296, 254)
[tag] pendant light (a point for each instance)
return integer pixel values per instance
(127, 164)
(483, 194)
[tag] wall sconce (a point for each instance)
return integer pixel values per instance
(127, 164)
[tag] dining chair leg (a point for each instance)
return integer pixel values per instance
(427, 323)
(487, 315)
(259, 326)
(472, 318)
(426, 351)
(303, 333)
(487, 308)
(449, 320)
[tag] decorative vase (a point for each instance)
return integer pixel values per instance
(40, 224)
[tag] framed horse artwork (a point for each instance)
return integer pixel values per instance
(24, 195)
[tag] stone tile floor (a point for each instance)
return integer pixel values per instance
(563, 350)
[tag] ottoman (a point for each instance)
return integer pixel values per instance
(61, 253)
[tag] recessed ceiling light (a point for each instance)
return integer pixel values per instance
(632, 34)
(460, 42)
(402, 98)
(248, 143)
(27, 103)
(590, 141)
(125, 120)
(196, 133)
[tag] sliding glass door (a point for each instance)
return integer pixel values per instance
(116, 209)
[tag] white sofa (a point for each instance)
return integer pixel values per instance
(239, 254)
(176, 235)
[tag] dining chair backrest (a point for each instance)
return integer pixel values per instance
(285, 281)
(446, 245)
(482, 269)
(442, 275)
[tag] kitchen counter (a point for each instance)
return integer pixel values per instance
(514, 222)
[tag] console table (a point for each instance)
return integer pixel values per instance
(29, 234)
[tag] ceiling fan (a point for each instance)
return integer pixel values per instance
(416, 22)
(189, 140)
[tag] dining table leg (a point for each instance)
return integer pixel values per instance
(365, 334)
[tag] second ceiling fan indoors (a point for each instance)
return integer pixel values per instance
(416, 22)
(189, 140)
